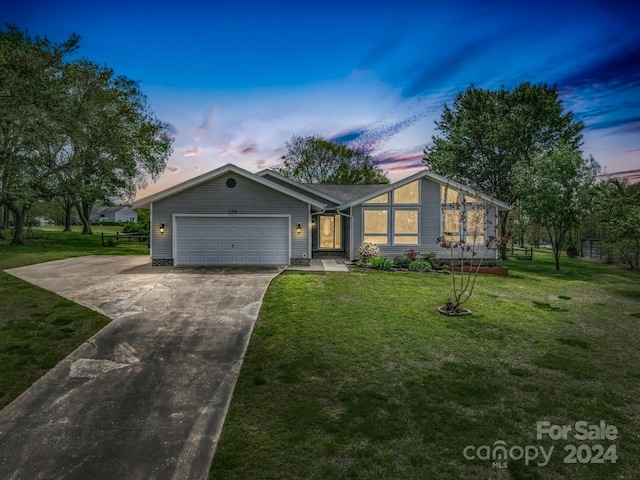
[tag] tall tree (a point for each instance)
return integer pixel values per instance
(316, 160)
(71, 130)
(30, 97)
(486, 134)
(556, 190)
(114, 143)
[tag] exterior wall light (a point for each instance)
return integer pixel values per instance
(299, 228)
(162, 228)
(313, 221)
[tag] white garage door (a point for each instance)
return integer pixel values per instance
(232, 241)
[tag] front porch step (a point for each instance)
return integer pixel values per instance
(329, 254)
(334, 266)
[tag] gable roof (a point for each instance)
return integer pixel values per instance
(145, 202)
(304, 186)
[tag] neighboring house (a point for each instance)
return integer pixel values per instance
(230, 216)
(116, 213)
(44, 221)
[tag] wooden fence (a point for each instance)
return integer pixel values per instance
(111, 239)
(520, 253)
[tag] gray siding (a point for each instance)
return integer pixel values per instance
(430, 225)
(214, 197)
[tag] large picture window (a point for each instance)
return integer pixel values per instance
(405, 226)
(474, 231)
(451, 225)
(376, 226)
(455, 225)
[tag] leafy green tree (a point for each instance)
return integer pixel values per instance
(31, 96)
(486, 134)
(114, 144)
(556, 191)
(316, 160)
(71, 130)
(618, 211)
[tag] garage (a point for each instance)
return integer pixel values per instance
(236, 240)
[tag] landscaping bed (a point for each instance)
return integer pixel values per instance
(487, 270)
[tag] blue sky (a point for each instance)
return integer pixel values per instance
(235, 80)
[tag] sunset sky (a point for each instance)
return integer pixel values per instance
(235, 80)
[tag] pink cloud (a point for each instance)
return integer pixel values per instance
(191, 153)
(173, 169)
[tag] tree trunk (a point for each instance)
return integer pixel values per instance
(67, 215)
(66, 202)
(84, 210)
(2, 220)
(67, 219)
(4, 217)
(19, 216)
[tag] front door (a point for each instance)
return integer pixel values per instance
(330, 232)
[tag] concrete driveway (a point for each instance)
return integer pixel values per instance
(146, 397)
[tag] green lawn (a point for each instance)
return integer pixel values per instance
(39, 328)
(356, 376)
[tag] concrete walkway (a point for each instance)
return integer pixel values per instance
(146, 397)
(323, 265)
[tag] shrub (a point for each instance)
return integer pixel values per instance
(412, 254)
(429, 257)
(401, 262)
(141, 227)
(380, 263)
(436, 263)
(572, 252)
(368, 251)
(420, 266)
(107, 224)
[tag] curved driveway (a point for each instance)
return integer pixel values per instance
(146, 397)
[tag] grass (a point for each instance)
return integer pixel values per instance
(39, 328)
(357, 376)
